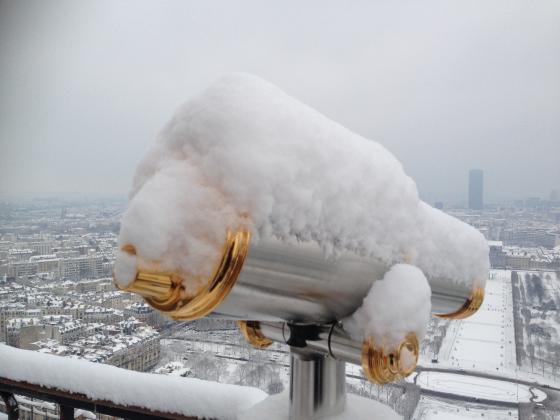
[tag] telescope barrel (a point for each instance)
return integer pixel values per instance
(294, 282)
(277, 281)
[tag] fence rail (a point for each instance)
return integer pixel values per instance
(68, 402)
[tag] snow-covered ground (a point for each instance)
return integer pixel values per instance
(276, 408)
(486, 340)
(539, 321)
(435, 409)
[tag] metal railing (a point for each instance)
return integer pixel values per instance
(68, 402)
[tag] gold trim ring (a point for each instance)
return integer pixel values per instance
(163, 290)
(471, 305)
(251, 330)
(381, 367)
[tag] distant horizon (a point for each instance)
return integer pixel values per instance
(82, 196)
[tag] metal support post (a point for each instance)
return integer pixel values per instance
(317, 385)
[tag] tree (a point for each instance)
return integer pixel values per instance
(205, 367)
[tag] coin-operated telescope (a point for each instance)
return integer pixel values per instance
(289, 293)
(268, 184)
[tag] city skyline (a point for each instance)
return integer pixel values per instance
(460, 201)
(57, 298)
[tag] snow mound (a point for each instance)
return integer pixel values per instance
(184, 396)
(395, 306)
(276, 407)
(245, 154)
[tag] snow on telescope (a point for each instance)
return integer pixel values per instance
(253, 206)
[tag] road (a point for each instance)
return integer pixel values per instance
(480, 387)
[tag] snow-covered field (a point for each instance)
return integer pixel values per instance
(435, 409)
(485, 341)
(539, 321)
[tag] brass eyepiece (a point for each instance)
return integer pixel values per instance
(165, 291)
(471, 305)
(251, 330)
(382, 367)
(161, 290)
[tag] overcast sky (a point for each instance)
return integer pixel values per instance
(445, 85)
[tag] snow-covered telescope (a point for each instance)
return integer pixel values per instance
(252, 206)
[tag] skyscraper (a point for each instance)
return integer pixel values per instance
(476, 181)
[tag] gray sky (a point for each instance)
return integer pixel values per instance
(445, 85)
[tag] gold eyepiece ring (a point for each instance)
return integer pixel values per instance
(164, 290)
(471, 306)
(381, 367)
(251, 330)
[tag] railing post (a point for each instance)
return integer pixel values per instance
(11, 405)
(66, 412)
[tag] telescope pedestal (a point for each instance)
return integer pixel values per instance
(317, 385)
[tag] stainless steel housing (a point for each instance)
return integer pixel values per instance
(294, 282)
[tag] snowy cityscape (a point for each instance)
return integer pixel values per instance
(57, 297)
(279, 210)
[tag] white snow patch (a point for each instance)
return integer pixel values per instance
(395, 306)
(244, 153)
(125, 270)
(276, 407)
(84, 414)
(184, 396)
